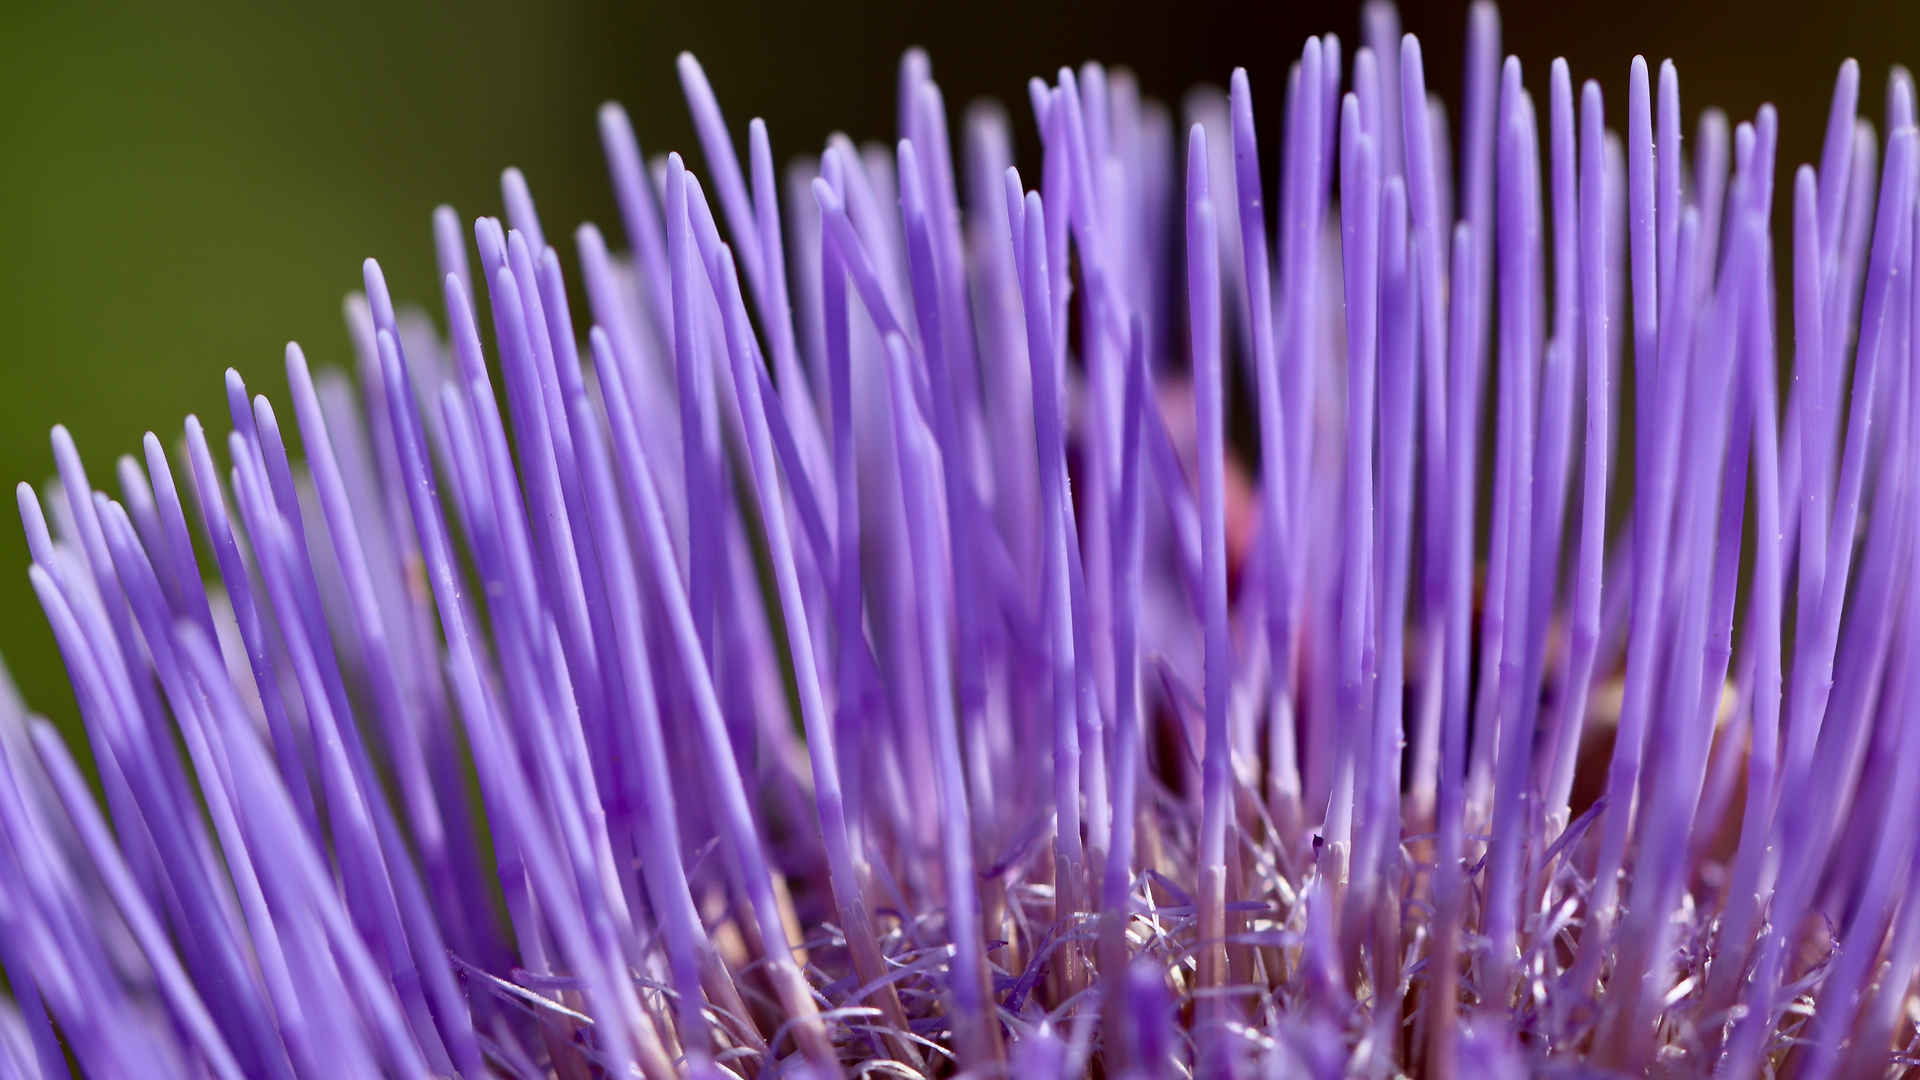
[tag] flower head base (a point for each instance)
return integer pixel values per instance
(858, 653)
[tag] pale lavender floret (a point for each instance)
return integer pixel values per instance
(1216, 810)
(1512, 724)
(1028, 224)
(1397, 381)
(868, 647)
(1450, 785)
(1557, 333)
(1428, 254)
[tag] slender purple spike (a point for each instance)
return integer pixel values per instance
(1596, 453)
(1299, 233)
(1504, 561)
(1560, 184)
(1479, 135)
(1519, 377)
(1709, 184)
(1766, 136)
(1329, 99)
(776, 309)
(1450, 788)
(1668, 161)
(1126, 692)
(1427, 204)
(450, 246)
(136, 494)
(1267, 375)
(520, 212)
(1397, 380)
(639, 210)
(1641, 232)
(1836, 153)
(724, 162)
(853, 696)
(1203, 300)
(184, 572)
(1380, 28)
(1030, 235)
(1301, 226)
(1360, 237)
(1900, 104)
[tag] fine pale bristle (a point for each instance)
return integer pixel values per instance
(1337, 597)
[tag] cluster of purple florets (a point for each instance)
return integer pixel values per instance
(845, 640)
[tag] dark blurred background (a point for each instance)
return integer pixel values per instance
(188, 186)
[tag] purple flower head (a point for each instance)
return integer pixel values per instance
(850, 639)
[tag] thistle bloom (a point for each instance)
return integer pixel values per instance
(862, 650)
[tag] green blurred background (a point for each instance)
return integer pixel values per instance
(188, 186)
